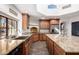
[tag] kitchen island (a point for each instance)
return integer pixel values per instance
(64, 45)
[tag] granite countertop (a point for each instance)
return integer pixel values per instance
(68, 44)
(7, 45)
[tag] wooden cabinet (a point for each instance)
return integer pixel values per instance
(26, 50)
(42, 37)
(38, 37)
(58, 50)
(44, 24)
(35, 37)
(27, 45)
(24, 21)
(50, 46)
(53, 48)
(54, 21)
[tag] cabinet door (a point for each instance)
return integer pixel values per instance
(41, 37)
(25, 48)
(58, 50)
(26, 51)
(35, 37)
(44, 24)
(54, 21)
(50, 46)
(44, 37)
(29, 44)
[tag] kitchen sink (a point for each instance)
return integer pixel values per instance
(21, 37)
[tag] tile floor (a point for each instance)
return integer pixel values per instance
(39, 48)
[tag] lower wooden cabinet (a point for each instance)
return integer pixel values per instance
(58, 50)
(42, 37)
(38, 37)
(27, 45)
(35, 37)
(26, 50)
(53, 48)
(50, 46)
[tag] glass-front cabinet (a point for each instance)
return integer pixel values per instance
(8, 27)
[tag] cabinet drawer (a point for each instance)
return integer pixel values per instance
(58, 50)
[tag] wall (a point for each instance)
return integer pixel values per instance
(33, 22)
(4, 10)
(68, 22)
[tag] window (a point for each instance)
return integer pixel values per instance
(12, 24)
(2, 27)
(8, 27)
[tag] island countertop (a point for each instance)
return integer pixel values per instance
(7, 45)
(68, 44)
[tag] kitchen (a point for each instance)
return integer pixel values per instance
(27, 32)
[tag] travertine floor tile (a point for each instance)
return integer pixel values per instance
(39, 48)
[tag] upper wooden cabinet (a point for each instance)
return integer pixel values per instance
(54, 21)
(44, 24)
(24, 21)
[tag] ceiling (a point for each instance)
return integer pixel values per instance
(42, 10)
(29, 9)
